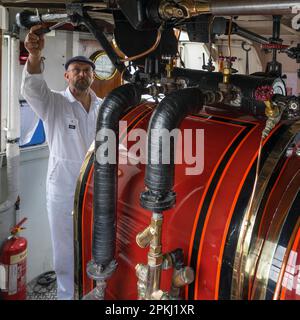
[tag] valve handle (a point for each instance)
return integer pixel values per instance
(228, 58)
(274, 46)
(17, 228)
(264, 93)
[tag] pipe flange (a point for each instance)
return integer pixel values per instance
(96, 271)
(157, 202)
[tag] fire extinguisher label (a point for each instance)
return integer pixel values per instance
(3, 277)
(17, 273)
(13, 277)
(18, 257)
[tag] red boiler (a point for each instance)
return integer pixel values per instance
(235, 253)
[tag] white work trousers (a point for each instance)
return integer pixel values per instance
(61, 228)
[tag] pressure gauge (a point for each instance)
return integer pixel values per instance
(105, 69)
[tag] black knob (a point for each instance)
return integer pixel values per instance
(27, 19)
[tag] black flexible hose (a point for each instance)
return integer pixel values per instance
(169, 114)
(114, 107)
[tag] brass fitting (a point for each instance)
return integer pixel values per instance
(265, 94)
(225, 86)
(141, 271)
(143, 238)
(152, 232)
(181, 278)
(169, 68)
(159, 295)
(149, 276)
(183, 9)
(142, 275)
(167, 262)
(271, 111)
(227, 68)
(226, 75)
(155, 258)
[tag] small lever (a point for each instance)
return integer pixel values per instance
(49, 29)
(42, 31)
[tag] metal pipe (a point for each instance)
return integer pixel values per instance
(185, 9)
(27, 19)
(180, 278)
(114, 107)
(13, 132)
(101, 38)
(252, 7)
(248, 34)
(13, 124)
(169, 114)
(155, 257)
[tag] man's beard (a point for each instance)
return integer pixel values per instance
(82, 84)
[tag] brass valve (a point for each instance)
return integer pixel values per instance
(227, 69)
(143, 238)
(225, 86)
(183, 277)
(153, 231)
(265, 94)
(169, 66)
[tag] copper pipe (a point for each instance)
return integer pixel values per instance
(154, 46)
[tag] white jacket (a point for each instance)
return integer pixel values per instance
(69, 129)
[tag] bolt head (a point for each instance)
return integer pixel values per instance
(179, 13)
(294, 106)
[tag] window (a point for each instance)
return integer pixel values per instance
(32, 129)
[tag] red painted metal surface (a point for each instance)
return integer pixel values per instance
(13, 257)
(206, 206)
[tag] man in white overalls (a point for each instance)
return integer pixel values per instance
(69, 119)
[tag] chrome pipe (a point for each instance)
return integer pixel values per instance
(252, 7)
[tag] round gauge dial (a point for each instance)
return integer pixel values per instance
(105, 69)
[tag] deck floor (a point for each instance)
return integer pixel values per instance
(37, 292)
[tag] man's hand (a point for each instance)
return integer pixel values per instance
(35, 43)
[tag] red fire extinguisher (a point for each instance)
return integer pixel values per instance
(13, 259)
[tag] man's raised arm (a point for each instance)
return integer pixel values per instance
(34, 44)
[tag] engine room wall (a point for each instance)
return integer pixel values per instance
(87, 47)
(33, 168)
(192, 55)
(33, 206)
